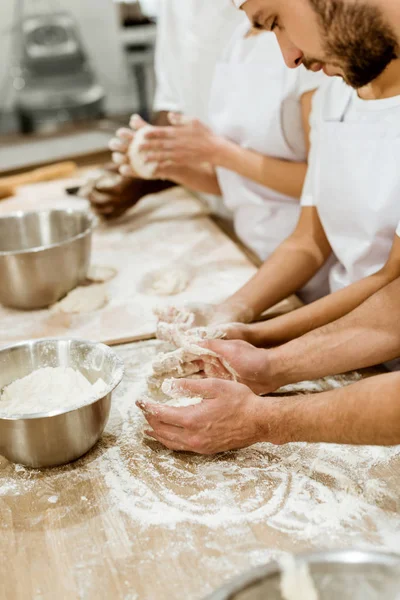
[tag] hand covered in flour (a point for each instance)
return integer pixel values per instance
(201, 321)
(186, 142)
(230, 417)
(251, 365)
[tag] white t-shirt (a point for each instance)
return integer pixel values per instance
(190, 39)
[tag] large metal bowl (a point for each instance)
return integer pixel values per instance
(43, 256)
(340, 575)
(61, 436)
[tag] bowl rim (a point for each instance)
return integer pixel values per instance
(117, 378)
(92, 223)
(242, 582)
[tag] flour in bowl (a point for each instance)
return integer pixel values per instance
(48, 389)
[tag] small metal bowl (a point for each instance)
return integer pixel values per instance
(43, 256)
(340, 575)
(61, 436)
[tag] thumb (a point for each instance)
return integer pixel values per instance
(136, 122)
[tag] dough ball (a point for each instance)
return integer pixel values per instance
(167, 282)
(82, 300)
(137, 158)
(99, 274)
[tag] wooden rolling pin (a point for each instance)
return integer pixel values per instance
(8, 185)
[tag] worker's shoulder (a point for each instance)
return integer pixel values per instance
(331, 99)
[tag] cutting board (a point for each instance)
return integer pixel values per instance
(165, 231)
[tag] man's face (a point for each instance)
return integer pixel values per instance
(348, 38)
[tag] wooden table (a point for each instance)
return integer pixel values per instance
(133, 521)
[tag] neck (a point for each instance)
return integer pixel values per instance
(386, 85)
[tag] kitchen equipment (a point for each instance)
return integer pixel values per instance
(43, 256)
(8, 185)
(50, 439)
(56, 82)
(340, 575)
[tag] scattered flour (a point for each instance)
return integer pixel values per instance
(82, 300)
(296, 580)
(48, 389)
(52, 499)
(138, 158)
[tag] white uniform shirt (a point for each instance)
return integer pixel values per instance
(190, 39)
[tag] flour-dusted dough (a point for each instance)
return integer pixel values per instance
(169, 282)
(99, 274)
(138, 159)
(169, 396)
(83, 300)
(296, 580)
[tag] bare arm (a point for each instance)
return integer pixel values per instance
(367, 336)
(367, 412)
(287, 270)
(201, 178)
(328, 309)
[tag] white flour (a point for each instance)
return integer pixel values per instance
(296, 581)
(48, 389)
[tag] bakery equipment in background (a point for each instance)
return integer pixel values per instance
(56, 83)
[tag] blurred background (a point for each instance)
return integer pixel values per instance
(75, 68)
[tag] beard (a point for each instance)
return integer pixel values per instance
(357, 38)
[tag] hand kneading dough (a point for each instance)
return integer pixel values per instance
(138, 159)
(82, 300)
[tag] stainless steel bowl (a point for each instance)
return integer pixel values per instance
(43, 256)
(340, 575)
(50, 439)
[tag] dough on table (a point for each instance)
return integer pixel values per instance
(137, 159)
(99, 274)
(82, 300)
(166, 282)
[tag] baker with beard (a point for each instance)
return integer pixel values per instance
(350, 207)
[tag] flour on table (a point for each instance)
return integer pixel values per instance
(138, 158)
(296, 581)
(99, 274)
(83, 300)
(49, 389)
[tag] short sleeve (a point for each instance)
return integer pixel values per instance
(308, 197)
(167, 95)
(309, 81)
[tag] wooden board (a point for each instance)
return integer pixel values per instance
(132, 521)
(166, 231)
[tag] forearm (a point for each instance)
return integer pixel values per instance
(284, 272)
(367, 412)
(200, 179)
(285, 177)
(319, 313)
(367, 336)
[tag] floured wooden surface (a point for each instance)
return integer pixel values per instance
(134, 521)
(164, 231)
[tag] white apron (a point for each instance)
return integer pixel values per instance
(245, 107)
(358, 192)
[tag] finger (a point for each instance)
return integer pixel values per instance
(177, 445)
(157, 157)
(169, 415)
(125, 135)
(160, 133)
(162, 428)
(136, 122)
(119, 158)
(117, 145)
(203, 388)
(127, 171)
